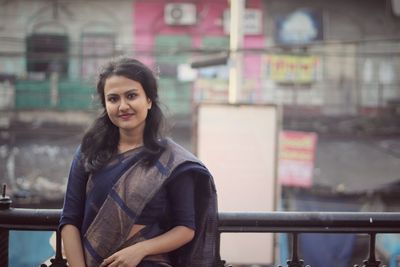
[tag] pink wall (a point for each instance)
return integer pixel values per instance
(149, 18)
(149, 22)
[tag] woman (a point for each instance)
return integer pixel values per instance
(134, 199)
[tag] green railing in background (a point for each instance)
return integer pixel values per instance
(76, 95)
(71, 95)
(32, 94)
(175, 96)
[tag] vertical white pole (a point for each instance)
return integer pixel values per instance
(236, 43)
(54, 78)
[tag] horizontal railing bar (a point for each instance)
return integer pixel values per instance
(311, 222)
(239, 229)
(243, 229)
(26, 217)
(384, 220)
(29, 227)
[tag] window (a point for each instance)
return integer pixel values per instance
(47, 53)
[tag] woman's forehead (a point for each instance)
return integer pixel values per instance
(114, 83)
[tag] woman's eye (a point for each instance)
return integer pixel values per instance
(131, 96)
(112, 99)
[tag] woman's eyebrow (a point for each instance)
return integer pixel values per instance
(132, 90)
(111, 94)
(127, 92)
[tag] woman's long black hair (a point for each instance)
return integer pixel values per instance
(100, 142)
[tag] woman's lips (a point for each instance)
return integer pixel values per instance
(125, 116)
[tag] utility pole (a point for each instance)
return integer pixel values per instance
(236, 44)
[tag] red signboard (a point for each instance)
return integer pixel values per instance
(296, 158)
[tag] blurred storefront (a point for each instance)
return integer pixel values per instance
(332, 66)
(326, 58)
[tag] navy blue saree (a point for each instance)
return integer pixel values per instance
(116, 195)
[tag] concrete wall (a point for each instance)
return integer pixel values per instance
(21, 18)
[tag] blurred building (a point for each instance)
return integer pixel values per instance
(327, 58)
(331, 65)
(50, 54)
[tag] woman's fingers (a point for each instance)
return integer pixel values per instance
(107, 261)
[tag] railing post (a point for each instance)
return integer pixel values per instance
(295, 261)
(218, 261)
(372, 262)
(4, 242)
(58, 261)
(5, 203)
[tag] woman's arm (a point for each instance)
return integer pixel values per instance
(167, 242)
(73, 246)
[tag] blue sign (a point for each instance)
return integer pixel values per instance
(300, 27)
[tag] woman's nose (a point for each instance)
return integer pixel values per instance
(123, 104)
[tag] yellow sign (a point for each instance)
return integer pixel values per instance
(292, 69)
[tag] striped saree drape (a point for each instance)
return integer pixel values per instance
(130, 193)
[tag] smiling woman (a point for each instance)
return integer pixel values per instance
(134, 198)
(127, 107)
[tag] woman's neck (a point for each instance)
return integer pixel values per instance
(129, 141)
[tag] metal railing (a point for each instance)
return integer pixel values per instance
(370, 223)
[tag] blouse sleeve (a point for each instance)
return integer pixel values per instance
(181, 196)
(74, 200)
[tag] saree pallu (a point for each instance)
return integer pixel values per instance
(130, 193)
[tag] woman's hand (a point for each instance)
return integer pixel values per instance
(167, 242)
(127, 257)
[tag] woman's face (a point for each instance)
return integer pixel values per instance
(126, 104)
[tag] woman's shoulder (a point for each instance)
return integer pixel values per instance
(78, 152)
(172, 147)
(78, 157)
(176, 156)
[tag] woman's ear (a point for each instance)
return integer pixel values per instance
(149, 102)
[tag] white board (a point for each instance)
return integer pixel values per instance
(238, 143)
